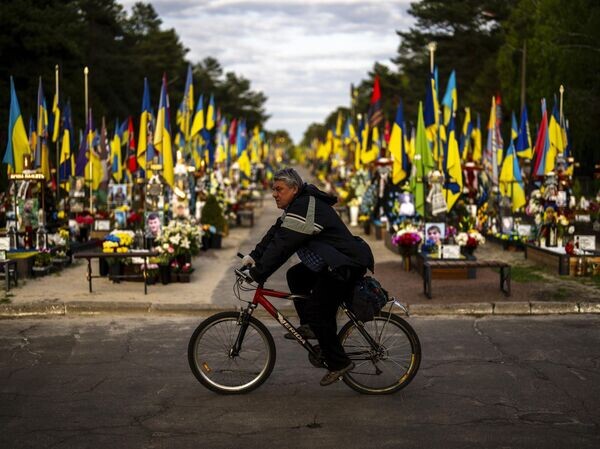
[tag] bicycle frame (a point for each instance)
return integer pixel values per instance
(260, 298)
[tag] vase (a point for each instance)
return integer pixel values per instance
(467, 250)
(367, 227)
(84, 233)
(102, 266)
(184, 277)
(115, 271)
(406, 262)
(183, 259)
(216, 241)
(164, 272)
(40, 270)
(354, 215)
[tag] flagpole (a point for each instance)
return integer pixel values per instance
(57, 141)
(431, 46)
(86, 71)
(561, 89)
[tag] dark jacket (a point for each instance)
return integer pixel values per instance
(310, 221)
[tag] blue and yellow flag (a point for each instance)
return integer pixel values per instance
(162, 136)
(556, 138)
(145, 148)
(466, 135)
(397, 147)
(211, 114)
(198, 123)
(368, 155)
(17, 146)
(476, 136)
(186, 108)
(514, 128)
(450, 100)
(56, 118)
(511, 181)
(42, 154)
(115, 155)
(524, 148)
(66, 168)
(453, 179)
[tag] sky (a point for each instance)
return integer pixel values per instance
(302, 54)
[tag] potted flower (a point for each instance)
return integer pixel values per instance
(185, 272)
(117, 242)
(469, 241)
(163, 260)
(84, 222)
(407, 240)
(41, 263)
(212, 216)
(151, 272)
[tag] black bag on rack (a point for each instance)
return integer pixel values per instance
(368, 299)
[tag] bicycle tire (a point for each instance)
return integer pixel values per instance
(208, 354)
(399, 345)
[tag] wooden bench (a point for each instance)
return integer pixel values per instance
(99, 255)
(10, 273)
(466, 264)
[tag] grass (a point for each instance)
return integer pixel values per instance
(525, 274)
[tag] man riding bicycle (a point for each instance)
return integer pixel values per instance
(332, 260)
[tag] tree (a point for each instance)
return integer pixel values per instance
(467, 34)
(562, 48)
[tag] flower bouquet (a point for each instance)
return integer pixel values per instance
(183, 238)
(407, 240)
(117, 242)
(470, 240)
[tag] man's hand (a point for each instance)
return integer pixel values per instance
(248, 261)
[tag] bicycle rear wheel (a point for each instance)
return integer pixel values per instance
(390, 363)
(211, 360)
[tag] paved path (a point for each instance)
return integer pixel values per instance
(493, 382)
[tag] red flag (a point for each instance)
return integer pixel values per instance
(375, 106)
(233, 132)
(387, 132)
(132, 165)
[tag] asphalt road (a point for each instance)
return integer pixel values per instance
(124, 382)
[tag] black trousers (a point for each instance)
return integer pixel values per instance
(319, 312)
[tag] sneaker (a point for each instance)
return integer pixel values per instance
(303, 330)
(334, 376)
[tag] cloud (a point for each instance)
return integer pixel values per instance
(303, 54)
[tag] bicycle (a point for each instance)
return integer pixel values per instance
(233, 352)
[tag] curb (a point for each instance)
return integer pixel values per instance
(87, 308)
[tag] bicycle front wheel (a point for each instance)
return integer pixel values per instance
(389, 362)
(221, 369)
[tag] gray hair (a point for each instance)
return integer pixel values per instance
(289, 176)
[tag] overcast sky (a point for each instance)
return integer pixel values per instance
(303, 54)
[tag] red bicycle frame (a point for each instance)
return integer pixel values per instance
(260, 295)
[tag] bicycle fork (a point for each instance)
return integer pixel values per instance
(243, 321)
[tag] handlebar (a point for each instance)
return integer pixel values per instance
(242, 272)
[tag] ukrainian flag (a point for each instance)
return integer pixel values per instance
(453, 180)
(18, 144)
(511, 182)
(401, 167)
(162, 136)
(145, 151)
